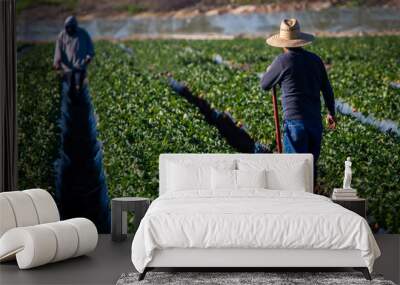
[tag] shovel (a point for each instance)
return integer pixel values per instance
(276, 119)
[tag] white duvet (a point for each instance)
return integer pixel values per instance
(250, 219)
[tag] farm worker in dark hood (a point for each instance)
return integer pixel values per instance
(302, 77)
(74, 48)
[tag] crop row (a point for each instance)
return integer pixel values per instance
(375, 155)
(361, 68)
(38, 102)
(140, 117)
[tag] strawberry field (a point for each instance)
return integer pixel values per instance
(139, 116)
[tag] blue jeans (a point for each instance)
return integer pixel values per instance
(302, 136)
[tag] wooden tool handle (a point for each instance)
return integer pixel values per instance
(276, 118)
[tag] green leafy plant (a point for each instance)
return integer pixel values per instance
(131, 9)
(139, 116)
(26, 4)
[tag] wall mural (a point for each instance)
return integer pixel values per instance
(95, 130)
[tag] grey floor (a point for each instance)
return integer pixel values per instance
(111, 259)
(103, 266)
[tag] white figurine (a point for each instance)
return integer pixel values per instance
(347, 174)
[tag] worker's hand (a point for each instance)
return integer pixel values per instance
(57, 66)
(331, 122)
(88, 59)
(58, 70)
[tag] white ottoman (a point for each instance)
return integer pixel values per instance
(31, 232)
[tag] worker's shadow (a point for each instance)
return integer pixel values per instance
(234, 133)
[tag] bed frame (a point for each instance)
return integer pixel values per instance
(248, 259)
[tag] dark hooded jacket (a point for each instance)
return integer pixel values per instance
(72, 49)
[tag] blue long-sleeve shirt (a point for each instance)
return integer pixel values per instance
(302, 76)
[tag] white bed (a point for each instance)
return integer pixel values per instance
(248, 227)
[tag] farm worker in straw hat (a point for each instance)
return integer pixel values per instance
(302, 76)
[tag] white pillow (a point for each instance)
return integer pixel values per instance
(281, 175)
(292, 179)
(226, 179)
(187, 174)
(223, 179)
(182, 177)
(251, 178)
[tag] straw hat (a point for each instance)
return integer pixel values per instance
(290, 35)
